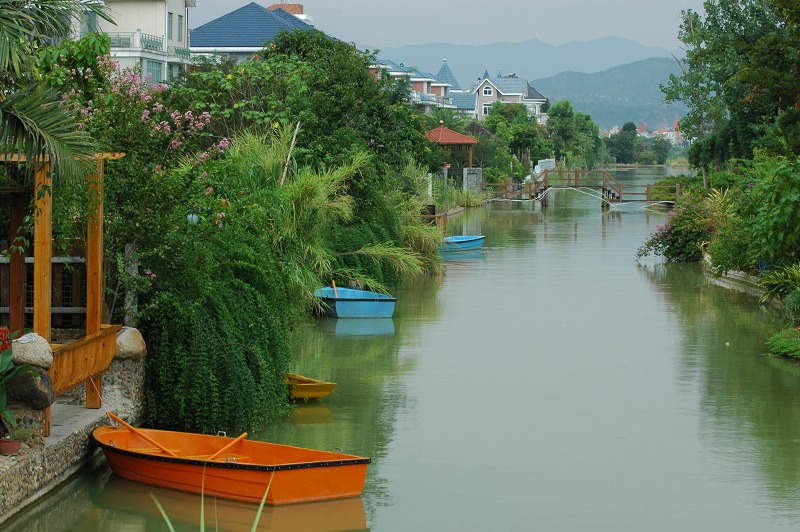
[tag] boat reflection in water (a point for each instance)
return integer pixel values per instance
(453, 256)
(311, 413)
(359, 327)
(183, 510)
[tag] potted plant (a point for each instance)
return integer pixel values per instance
(7, 372)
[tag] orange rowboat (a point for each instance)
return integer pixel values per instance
(306, 388)
(243, 471)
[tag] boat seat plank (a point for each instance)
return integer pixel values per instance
(240, 458)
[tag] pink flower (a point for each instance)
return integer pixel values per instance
(209, 191)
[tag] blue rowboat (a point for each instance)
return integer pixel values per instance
(462, 243)
(352, 303)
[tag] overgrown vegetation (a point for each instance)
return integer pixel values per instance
(739, 80)
(242, 190)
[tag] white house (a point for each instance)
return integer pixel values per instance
(153, 34)
(507, 89)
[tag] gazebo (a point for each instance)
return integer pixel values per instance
(452, 140)
(91, 355)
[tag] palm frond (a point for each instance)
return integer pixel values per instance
(405, 261)
(26, 25)
(35, 124)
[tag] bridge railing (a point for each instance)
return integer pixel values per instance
(612, 189)
(602, 180)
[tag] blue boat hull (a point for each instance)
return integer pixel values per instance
(350, 303)
(462, 243)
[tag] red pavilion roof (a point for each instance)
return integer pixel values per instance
(443, 136)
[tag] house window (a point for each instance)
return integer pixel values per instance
(180, 28)
(169, 25)
(154, 71)
(486, 107)
(487, 91)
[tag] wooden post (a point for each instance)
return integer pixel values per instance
(43, 259)
(94, 252)
(16, 267)
(42, 252)
(94, 273)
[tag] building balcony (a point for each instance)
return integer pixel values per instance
(178, 51)
(134, 43)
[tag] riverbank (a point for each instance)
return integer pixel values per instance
(34, 472)
(735, 280)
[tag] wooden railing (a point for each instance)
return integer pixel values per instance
(439, 220)
(75, 361)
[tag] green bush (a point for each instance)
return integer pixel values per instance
(785, 343)
(681, 237)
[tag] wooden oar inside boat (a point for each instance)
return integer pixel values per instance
(231, 444)
(140, 434)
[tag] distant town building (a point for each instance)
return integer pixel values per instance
(673, 135)
(427, 91)
(508, 89)
(463, 100)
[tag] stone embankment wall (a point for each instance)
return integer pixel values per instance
(735, 280)
(36, 471)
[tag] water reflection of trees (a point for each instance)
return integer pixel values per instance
(364, 360)
(754, 401)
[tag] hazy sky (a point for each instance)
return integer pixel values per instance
(392, 23)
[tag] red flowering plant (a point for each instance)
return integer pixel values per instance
(7, 372)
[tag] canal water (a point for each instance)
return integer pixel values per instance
(549, 382)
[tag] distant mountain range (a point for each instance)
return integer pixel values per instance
(626, 93)
(612, 79)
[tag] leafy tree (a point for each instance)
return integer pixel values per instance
(622, 145)
(561, 127)
(326, 87)
(224, 290)
(588, 143)
(493, 155)
(736, 59)
(661, 148)
(33, 121)
(449, 118)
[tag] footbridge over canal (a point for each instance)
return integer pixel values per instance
(611, 190)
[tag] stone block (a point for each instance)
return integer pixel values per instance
(32, 349)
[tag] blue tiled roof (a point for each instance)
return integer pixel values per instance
(445, 75)
(250, 26)
(463, 100)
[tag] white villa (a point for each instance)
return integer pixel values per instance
(153, 34)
